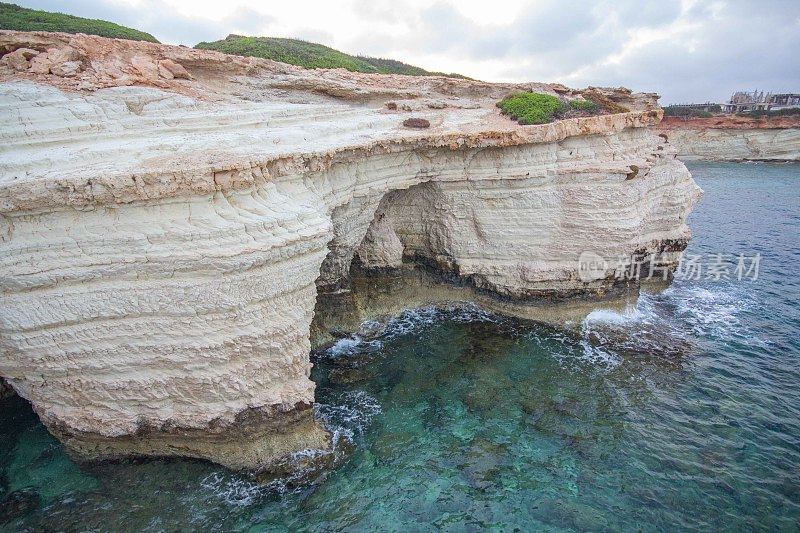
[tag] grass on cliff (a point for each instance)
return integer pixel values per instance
(758, 113)
(538, 108)
(678, 111)
(312, 55)
(14, 17)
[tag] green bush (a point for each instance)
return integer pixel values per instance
(583, 105)
(682, 111)
(292, 51)
(311, 55)
(758, 113)
(532, 108)
(14, 17)
(392, 66)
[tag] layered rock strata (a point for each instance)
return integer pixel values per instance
(163, 239)
(733, 138)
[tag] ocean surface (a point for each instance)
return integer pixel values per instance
(682, 413)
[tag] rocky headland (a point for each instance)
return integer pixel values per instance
(169, 216)
(735, 138)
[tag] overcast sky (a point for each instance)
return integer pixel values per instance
(685, 50)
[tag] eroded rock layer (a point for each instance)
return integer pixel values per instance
(162, 247)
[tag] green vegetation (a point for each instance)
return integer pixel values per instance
(681, 111)
(758, 113)
(312, 55)
(538, 108)
(584, 105)
(13, 17)
(532, 108)
(392, 66)
(604, 102)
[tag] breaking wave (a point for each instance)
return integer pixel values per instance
(349, 414)
(669, 323)
(233, 490)
(415, 320)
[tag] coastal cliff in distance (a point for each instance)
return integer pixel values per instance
(735, 138)
(168, 217)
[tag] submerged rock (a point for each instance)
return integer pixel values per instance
(5, 389)
(17, 504)
(482, 463)
(306, 467)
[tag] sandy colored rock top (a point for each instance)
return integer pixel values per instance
(87, 119)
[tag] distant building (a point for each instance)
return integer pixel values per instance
(785, 101)
(741, 101)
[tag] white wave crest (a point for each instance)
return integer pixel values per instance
(233, 490)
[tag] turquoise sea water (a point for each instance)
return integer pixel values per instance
(682, 413)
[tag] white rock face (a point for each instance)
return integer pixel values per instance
(727, 144)
(160, 254)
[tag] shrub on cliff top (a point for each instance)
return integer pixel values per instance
(584, 105)
(604, 103)
(679, 111)
(14, 17)
(532, 108)
(771, 113)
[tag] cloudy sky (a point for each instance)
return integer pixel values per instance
(687, 50)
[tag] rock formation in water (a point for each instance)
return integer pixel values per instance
(735, 138)
(5, 389)
(168, 216)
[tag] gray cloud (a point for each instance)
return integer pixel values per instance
(707, 50)
(549, 38)
(248, 21)
(741, 45)
(159, 19)
(314, 35)
(441, 28)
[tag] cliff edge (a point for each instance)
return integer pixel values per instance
(169, 215)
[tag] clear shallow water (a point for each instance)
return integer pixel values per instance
(682, 413)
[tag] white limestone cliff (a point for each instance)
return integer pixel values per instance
(737, 144)
(163, 239)
(735, 138)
